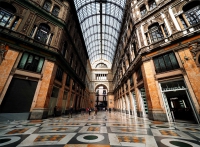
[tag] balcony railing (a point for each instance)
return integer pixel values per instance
(21, 37)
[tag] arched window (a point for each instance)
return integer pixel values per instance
(101, 65)
(42, 33)
(192, 12)
(155, 32)
(55, 10)
(143, 10)
(152, 4)
(47, 5)
(6, 14)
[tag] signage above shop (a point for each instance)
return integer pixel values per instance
(173, 88)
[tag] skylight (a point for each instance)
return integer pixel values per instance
(100, 22)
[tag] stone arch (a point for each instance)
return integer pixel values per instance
(104, 85)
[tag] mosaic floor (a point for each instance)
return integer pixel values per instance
(104, 130)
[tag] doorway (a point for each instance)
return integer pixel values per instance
(180, 106)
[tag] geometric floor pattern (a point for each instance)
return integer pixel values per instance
(104, 130)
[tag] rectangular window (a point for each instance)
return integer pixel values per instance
(193, 15)
(165, 62)
(67, 81)
(143, 10)
(139, 75)
(152, 4)
(31, 62)
(59, 74)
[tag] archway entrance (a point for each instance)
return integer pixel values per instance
(101, 101)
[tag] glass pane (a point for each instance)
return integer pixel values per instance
(55, 92)
(173, 60)
(162, 64)
(167, 62)
(157, 66)
(23, 61)
(40, 64)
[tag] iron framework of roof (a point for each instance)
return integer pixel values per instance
(100, 21)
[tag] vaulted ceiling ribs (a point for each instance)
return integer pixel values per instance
(100, 22)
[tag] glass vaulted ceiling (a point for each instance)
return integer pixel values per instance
(100, 22)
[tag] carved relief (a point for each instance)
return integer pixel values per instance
(19, 9)
(38, 20)
(140, 36)
(57, 37)
(179, 7)
(27, 24)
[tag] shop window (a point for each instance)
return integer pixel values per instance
(152, 4)
(55, 10)
(55, 92)
(68, 81)
(155, 32)
(31, 62)
(73, 85)
(42, 33)
(139, 75)
(131, 81)
(143, 10)
(192, 12)
(59, 74)
(6, 14)
(165, 62)
(144, 99)
(47, 5)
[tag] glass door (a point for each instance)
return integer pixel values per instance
(53, 100)
(64, 102)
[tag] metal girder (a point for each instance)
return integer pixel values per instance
(112, 53)
(102, 41)
(78, 9)
(99, 25)
(94, 15)
(99, 33)
(103, 45)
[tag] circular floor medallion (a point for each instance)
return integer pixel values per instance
(178, 143)
(4, 140)
(90, 138)
(8, 140)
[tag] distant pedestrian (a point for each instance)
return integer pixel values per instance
(89, 110)
(95, 111)
(109, 110)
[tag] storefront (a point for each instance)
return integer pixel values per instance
(178, 103)
(143, 101)
(134, 103)
(53, 100)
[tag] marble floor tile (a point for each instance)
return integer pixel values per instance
(113, 129)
